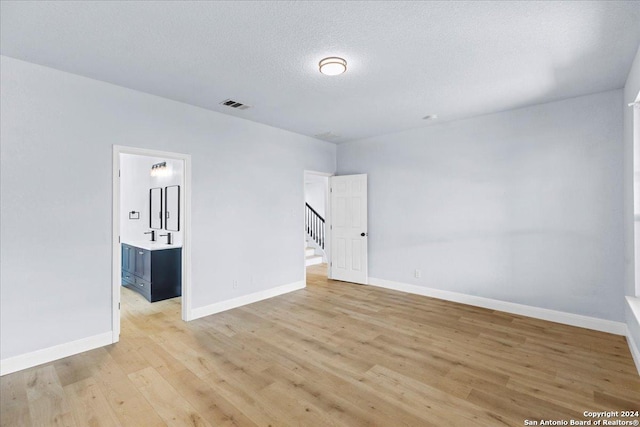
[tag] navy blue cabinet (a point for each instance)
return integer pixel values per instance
(128, 263)
(143, 263)
(156, 275)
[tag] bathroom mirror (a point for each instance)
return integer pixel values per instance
(155, 208)
(172, 208)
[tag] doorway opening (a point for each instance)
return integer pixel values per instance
(317, 224)
(151, 231)
(341, 236)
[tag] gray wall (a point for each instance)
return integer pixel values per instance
(55, 195)
(522, 206)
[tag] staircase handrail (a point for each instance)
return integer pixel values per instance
(314, 225)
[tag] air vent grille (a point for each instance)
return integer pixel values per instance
(327, 136)
(235, 104)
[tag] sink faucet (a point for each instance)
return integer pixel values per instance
(153, 235)
(168, 236)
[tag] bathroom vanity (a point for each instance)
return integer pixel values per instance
(153, 269)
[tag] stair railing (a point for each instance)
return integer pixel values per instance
(314, 225)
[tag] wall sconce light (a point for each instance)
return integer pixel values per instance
(332, 66)
(160, 169)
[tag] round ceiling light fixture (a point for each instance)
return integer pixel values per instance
(332, 66)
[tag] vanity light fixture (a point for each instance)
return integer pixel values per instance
(159, 169)
(332, 66)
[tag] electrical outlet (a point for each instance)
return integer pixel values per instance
(417, 274)
(235, 284)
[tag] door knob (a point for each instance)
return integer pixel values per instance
(363, 234)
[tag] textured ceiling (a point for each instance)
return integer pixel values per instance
(406, 59)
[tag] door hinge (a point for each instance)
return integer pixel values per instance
(118, 239)
(118, 173)
(118, 306)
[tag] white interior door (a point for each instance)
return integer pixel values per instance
(349, 228)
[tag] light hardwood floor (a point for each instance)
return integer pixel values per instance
(332, 354)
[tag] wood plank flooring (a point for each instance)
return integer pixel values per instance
(333, 354)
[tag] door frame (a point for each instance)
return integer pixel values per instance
(116, 259)
(327, 219)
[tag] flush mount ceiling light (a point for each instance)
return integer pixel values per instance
(332, 66)
(430, 117)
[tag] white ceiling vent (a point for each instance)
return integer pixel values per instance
(327, 136)
(235, 104)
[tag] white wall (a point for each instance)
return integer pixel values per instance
(57, 134)
(523, 206)
(135, 182)
(316, 192)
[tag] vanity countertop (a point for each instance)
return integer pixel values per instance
(149, 245)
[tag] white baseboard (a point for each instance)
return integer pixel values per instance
(634, 306)
(315, 260)
(635, 350)
(207, 310)
(618, 328)
(46, 355)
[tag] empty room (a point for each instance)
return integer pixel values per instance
(319, 213)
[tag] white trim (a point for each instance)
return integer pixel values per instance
(634, 349)
(610, 326)
(313, 260)
(186, 242)
(116, 257)
(46, 355)
(246, 299)
(325, 174)
(634, 305)
(186, 235)
(634, 308)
